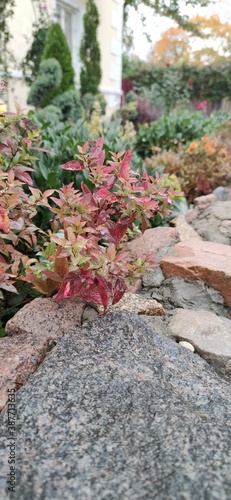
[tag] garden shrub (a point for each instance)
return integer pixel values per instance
(69, 104)
(50, 114)
(61, 139)
(79, 252)
(89, 102)
(48, 79)
(56, 46)
(175, 128)
(198, 83)
(131, 96)
(31, 62)
(200, 168)
(90, 74)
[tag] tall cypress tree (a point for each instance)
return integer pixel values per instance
(90, 74)
(56, 46)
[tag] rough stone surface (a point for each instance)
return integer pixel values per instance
(56, 317)
(116, 412)
(180, 292)
(212, 221)
(33, 331)
(158, 240)
(184, 229)
(222, 193)
(153, 277)
(160, 324)
(201, 260)
(208, 333)
(139, 305)
(203, 202)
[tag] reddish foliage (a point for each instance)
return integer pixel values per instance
(82, 256)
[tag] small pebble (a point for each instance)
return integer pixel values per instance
(187, 345)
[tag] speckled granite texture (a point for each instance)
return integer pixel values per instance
(118, 413)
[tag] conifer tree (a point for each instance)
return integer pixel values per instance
(56, 46)
(90, 74)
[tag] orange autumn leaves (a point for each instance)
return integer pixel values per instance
(208, 146)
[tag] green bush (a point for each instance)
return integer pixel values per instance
(48, 79)
(61, 138)
(90, 74)
(89, 100)
(131, 96)
(210, 83)
(128, 112)
(50, 114)
(70, 105)
(176, 128)
(31, 62)
(56, 46)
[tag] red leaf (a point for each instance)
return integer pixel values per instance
(4, 221)
(43, 150)
(104, 288)
(104, 194)
(109, 181)
(97, 146)
(4, 148)
(85, 188)
(118, 230)
(145, 224)
(24, 177)
(125, 165)
(102, 218)
(119, 290)
(73, 165)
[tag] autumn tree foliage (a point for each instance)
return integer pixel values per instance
(178, 46)
(166, 8)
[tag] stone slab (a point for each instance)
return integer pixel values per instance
(117, 412)
(201, 260)
(208, 333)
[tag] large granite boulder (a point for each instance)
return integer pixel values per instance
(117, 412)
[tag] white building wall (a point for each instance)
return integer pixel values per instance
(109, 37)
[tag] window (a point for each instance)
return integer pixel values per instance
(69, 13)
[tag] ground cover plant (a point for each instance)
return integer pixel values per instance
(80, 251)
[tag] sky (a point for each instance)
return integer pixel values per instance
(155, 25)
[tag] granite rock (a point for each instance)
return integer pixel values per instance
(158, 240)
(33, 332)
(117, 412)
(55, 317)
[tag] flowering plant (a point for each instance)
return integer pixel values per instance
(200, 168)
